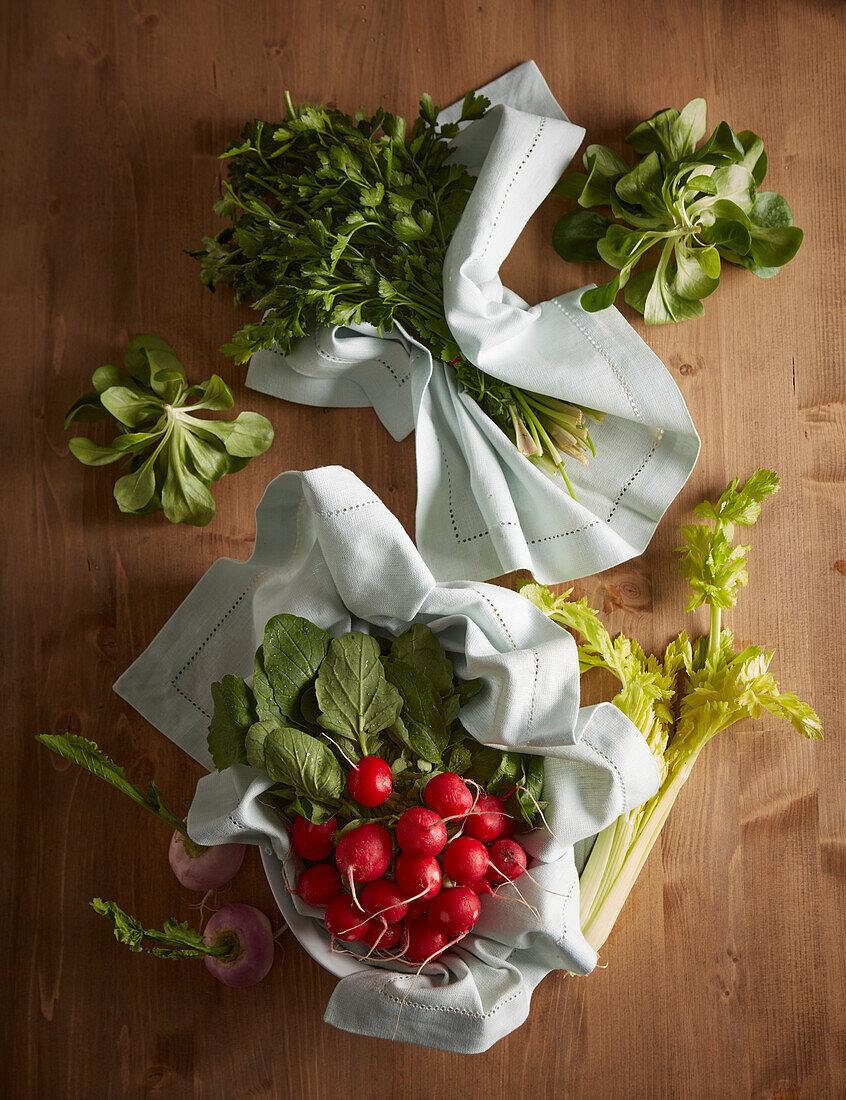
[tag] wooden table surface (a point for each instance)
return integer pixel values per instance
(725, 974)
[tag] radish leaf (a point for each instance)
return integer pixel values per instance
(354, 696)
(287, 662)
(295, 759)
(423, 723)
(234, 713)
(419, 648)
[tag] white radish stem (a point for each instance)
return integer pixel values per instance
(546, 889)
(519, 901)
(351, 880)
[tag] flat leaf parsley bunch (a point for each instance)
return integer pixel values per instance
(340, 220)
(696, 206)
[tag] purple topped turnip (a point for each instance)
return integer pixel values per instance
(237, 944)
(199, 868)
(242, 941)
(196, 867)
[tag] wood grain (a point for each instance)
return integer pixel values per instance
(725, 975)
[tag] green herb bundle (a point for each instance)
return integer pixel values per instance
(682, 700)
(319, 704)
(173, 454)
(340, 220)
(696, 207)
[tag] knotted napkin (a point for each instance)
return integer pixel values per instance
(329, 550)
(483, 509)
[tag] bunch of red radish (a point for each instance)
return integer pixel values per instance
(416, 887)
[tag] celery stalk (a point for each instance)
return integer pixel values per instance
(597, 924)
(718, 688)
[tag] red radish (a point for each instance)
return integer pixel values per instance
(201, 868)
(248, 937)
(465, 860)
(424, 941)
(508, 831)
(344, 920)
(364, 853)
(370, 782)
(455, 910)
(487, 820)
(418, 908)
(483, 886)
(313, 841)
(418, 876)
(448, 795)
(319, 885)
(384, 899)
(508, 861)
(420, 832)
(380, 935)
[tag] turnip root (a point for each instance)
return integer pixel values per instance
(245, 937)
(199, 868)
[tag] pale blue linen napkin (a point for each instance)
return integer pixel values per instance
(482, 508)
(328, 549)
